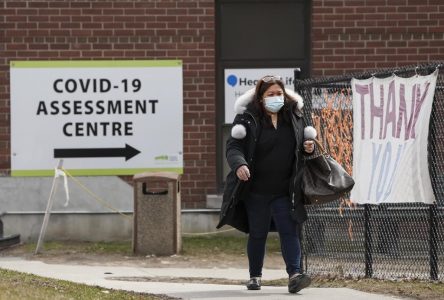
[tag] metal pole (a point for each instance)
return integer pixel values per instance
(433, 245)
(1, 226)
(301, 228)
(368, 242)
(48, 210)
(301, 234)
(297, 77)
(297, 74)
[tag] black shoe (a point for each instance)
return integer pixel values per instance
(298, 282)
(254, 283)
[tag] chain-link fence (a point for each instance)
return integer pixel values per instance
(381, 241)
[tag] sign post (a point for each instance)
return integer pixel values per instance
(48, 209)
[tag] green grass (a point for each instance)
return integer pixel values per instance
(18, 286)
(195, 246)
(123, 248)
(191, 246)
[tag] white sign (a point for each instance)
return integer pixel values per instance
(101, 117)
(390, 131)
(238, 81)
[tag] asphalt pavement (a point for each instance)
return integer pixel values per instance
(132, 279)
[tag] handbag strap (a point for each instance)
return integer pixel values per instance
(318, 144)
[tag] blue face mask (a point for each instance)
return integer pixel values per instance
(274, 104)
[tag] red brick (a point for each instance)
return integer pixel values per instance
(438, 43)
(407, 9)
(428, 23)
(418, 16)
(59, 4)
(365, 10)
(386, 9)
(48, 12)
(37, 4)
(15, 4)
(417, 58)
(428, 50)
(415, 2)
(324, 10)
(166, 4)
(385, 51)
(38, 19)
(377, 16)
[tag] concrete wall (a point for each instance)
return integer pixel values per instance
(69, 226)
(89, 214)
(91, 211)
(30, 194)
(101, 226)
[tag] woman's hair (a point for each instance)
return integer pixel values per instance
(261, 87)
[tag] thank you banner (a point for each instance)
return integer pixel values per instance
(390, 131)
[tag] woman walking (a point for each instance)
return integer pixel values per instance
(263, 190)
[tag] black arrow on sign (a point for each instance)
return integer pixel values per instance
(128, 152)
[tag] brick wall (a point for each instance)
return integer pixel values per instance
(351, 35)
(347, 35)
(119, 29)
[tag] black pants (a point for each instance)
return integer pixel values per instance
(261, 209)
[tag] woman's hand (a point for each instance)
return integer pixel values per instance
(243, 173)
(309, 146)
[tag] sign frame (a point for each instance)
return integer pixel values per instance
(156, 87)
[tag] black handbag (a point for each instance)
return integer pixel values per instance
(324, 179)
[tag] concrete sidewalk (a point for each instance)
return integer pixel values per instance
(103, 276)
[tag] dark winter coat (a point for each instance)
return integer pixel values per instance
(240, 151)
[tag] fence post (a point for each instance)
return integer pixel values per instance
(297, 75)
(301, 233)
(368, 242)
(433, 245)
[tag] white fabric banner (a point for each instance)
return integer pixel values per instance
(390, 130)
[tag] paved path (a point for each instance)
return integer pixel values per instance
(102, 276)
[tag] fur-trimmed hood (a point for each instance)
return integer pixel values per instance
(241, 103)
(239, 131)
